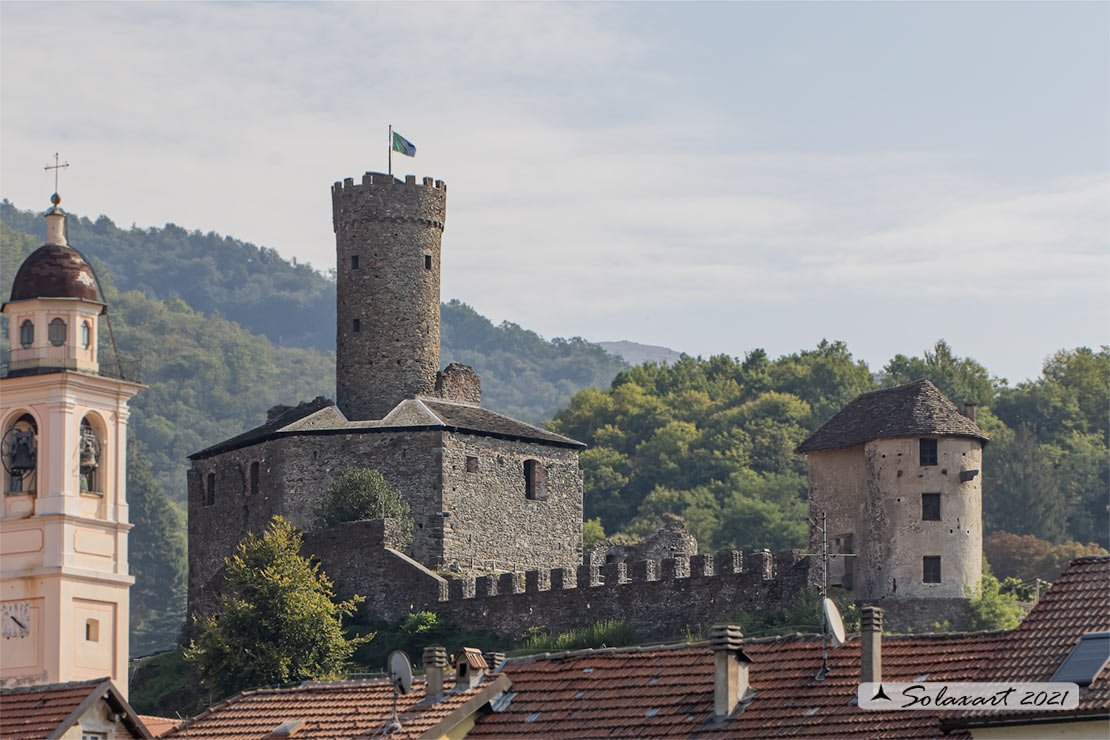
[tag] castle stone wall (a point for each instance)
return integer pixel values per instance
(387, 235)
(493, 524)
(659, 599)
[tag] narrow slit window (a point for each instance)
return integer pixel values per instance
(535, 480)
(427, 261)
(930, 569)
(930, 507)
(210, 490)
(354, 261)
(252, 486)
(356, 325)
(27, 333)
(928, 449)
(56, 332)
(86, 335)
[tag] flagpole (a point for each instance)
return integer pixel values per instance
(391, 149)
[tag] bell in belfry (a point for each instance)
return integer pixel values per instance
(90, 450)
(20, 452)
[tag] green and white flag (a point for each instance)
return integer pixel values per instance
(403, 145)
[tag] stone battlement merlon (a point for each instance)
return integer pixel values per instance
(381, 197)
(763, 566)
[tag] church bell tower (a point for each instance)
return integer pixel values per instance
(63, 528)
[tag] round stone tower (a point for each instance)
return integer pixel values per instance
(387, 240)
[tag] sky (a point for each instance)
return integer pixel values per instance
(711, 177)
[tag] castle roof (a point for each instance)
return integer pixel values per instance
(55, 271)
(321, 417)
(912, 410)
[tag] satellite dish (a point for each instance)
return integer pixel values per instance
(400, 670)
(833, 621)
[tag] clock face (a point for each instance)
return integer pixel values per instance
(16, 619)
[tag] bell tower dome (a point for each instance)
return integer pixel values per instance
(63, 436)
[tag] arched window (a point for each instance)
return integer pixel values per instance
(56, 332)
(90, 449)
(86, 335)
(20, 452)
(27, 333)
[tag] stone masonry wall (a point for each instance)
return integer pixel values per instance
(493, 525)
(392, 230)
(659, 599)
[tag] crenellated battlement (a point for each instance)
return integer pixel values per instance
(384, 198)
(380, 180)
(656, 597)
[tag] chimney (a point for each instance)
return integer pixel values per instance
(435, 660)
(730, 668)
(493, 660)
(470, 669)
(969, 409)
(871, 645)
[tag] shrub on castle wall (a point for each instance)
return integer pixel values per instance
(362, 493)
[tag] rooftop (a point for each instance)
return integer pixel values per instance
(51, 709)
(321, 417)
(337, 709)
(912, 410)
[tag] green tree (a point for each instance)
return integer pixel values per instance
(1027, 497)
(991, 609)
(157, 553)
(362, 493)
(278, 621)
(962, 379)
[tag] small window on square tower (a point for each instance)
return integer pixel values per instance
(252, 486)
(928, 449)
(472, 463)
(354, 261)
(92, 630)
(210, 490)
(427, 261)
(356, 325)
(930, 569)
(535, 480)
(930, 507)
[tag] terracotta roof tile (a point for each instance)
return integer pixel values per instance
(40, 711)
(330, 710)
(910, 410)
(36, 711)
(668, 691)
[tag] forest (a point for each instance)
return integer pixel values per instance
(710, 439)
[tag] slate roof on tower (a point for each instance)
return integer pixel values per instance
(915, 409)
(321, 417)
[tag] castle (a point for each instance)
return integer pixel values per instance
(497, 503)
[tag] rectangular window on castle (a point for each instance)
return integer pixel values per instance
(210, 489)
(472, 463)
(354, 261)
(930, 507)
(535, 480)
(928, 448)
(356, 325)
(427, 261)
(930, 569)
(252, 485)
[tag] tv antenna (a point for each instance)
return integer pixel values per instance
(400, 675)
(830, 615)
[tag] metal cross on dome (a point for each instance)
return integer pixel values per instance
(56, 166)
